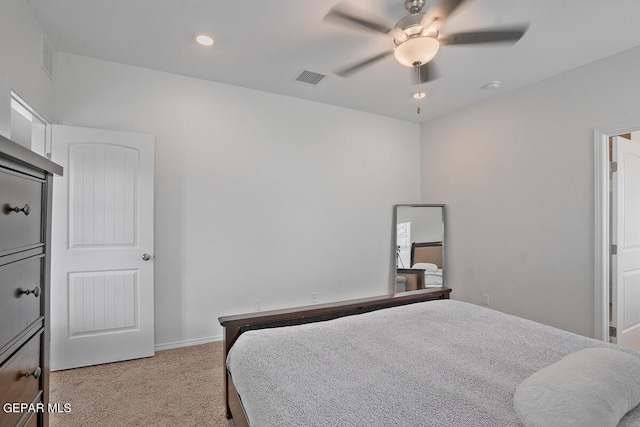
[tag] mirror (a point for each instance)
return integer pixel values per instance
(419, 246)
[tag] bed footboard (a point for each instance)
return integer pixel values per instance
(235, 325)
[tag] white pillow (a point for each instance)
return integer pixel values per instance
(591, 387)
(427, 266)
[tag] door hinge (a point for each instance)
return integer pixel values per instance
(613, 166)
(613, 332)
(614, 249)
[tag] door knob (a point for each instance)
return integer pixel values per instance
(146, 257)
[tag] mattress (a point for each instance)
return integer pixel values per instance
(437, 363)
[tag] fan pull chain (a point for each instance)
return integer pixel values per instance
(418, 85)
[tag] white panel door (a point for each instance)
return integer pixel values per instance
(102, 247)
(625, 265)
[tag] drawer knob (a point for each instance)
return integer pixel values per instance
(26, 209)
(35, 291)
(35, 373)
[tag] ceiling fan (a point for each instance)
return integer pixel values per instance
(417, 37)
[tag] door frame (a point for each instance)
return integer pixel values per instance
(602, 221)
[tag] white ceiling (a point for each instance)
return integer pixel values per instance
(263, 45)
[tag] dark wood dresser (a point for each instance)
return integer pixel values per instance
(25, 218)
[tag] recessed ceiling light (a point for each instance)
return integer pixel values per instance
(419, 95)
(204, 40)
(493, 85)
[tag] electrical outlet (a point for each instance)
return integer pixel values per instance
(314, 297)
(258, 305)
(485, 300)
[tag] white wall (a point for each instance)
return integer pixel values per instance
(20, 71)
(426, 222)
(257, 195)
(517, 176)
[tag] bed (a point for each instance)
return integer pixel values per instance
(414, 362)
(426, 266)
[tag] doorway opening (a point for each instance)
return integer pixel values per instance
(607, 314)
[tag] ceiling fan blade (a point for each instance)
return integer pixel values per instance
(357, 66)
(512, 34)
(442, 9)
(428, 73)
(349, 15)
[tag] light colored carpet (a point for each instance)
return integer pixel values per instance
(178, 387)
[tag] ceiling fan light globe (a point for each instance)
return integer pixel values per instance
(417, 50)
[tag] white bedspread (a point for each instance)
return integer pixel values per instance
(432, 279)
(438, 363)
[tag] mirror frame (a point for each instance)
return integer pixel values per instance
(395, 239)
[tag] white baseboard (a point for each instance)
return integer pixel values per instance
(187, 343)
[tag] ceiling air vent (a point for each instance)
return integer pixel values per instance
(310, 78)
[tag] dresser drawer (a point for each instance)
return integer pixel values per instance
(22, 228)
(21, 379)
(31, 417)
(17, 308)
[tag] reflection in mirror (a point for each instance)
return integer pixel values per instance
(419, 246)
